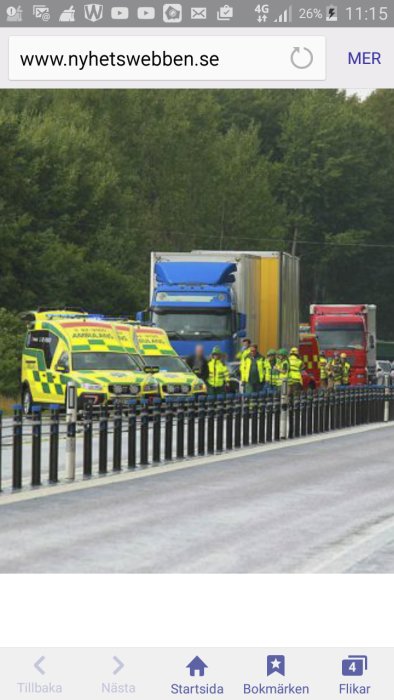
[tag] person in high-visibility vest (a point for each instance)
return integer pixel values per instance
(323, 367)
(218, 374)
(335, 371)
(281, 367)
(346, 369)
(296, 366)
(269, 373)
(252, 371)
(245, 349)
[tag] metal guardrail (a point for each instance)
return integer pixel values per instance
(39, 450)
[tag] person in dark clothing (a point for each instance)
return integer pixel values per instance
(198, 363)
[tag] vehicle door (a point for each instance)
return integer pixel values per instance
(58, 375)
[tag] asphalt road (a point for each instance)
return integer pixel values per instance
(317, 507)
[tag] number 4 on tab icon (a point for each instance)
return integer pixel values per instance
(354, 665)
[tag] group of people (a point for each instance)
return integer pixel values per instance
(334, 372)
(266, 374)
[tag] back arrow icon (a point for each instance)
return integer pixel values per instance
(119, 665)
(297, 60)
(37, 665)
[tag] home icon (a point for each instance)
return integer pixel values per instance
(197, 666)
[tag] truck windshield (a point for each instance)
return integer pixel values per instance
(188, 324)
(103, 360)
(333, 337)
(167, 363)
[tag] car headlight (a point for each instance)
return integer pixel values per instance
(170, 389)
(134, 389)
(92, 387)
(185, 388)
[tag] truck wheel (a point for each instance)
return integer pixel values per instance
(27, 401)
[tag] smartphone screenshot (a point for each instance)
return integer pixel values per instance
(196, 349)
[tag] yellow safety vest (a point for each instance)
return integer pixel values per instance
(247, 365)
(346, 373)
(218, 373)
(335, 369)
(323, 367)
(268, 372)
(295, 369)
(243, 355)
(281, 371)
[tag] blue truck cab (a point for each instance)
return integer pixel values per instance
(195, 303)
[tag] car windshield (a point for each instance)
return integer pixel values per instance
(167, 363)
(332, 337)
(103, 361)
(188, 324)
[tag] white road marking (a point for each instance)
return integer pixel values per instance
(192, 462)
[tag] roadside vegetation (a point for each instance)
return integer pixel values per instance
(92, 180)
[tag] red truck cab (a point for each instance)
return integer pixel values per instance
(349, 328)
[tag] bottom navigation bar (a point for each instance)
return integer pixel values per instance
(157, 674)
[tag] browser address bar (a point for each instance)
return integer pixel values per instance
(191, 58)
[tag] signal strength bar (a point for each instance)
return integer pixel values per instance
(285, 17)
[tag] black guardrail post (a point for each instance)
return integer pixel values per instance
(17, 448)
(276, 412)
(220, 422)
(363, 416)
(303, 412)
(245, 421)
(180, 429)
(355, 406)
(103, 440)
(315, 411)
(156, 420)
(391, 414)
(54, 445)
(270, 417)
(297, 414)
(132, 434)
(229, 421)
(87, 440)
(255, 419)
(261, 411)
(345, 393)
(322, 410)
(144, 433)
(326, 399)
(337, 408)
(36, 446)
(237, 420)
(169, 425)
(1, 450)
(309, 412)
(291, 416)
(191, 426)
(201, 424)
(375, 394)
(211, 425)
(117, 438)
(333, 408)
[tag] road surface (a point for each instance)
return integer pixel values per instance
(324, 506)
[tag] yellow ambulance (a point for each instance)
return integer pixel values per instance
(158, 356)
(64, 346)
